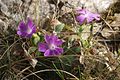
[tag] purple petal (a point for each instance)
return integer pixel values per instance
(92, 17)
(22, 26)
(59, 50)
(47, 38)
(55, 52)
(42, 47)
(58, 42)
(49, 53)
(29, 35)
(30, 32)
(30, 23)
(97, 16)
(51, 39)
(24, 34)
(54, 38)
(19, 33)
(81, 19)
(81, 11)
(34, 29)
(89, 19)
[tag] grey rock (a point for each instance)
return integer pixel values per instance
(17, 10)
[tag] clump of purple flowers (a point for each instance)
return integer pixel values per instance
(51, 46)
(26, 30)
(85, 16)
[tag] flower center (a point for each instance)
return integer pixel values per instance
(86, 15)
(52, 46)
(29, 30)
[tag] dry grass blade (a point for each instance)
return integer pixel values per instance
(23, 71)
(49, 70)
(9, 48)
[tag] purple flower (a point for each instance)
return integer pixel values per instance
(26, 30)
(86, 16)
(51, 46)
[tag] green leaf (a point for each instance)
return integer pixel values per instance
(81, 29)
(118, 51)
(35, 39)
(77, 49)
(32, 49)
(85, 43)
(59, 28)
(38, 53)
